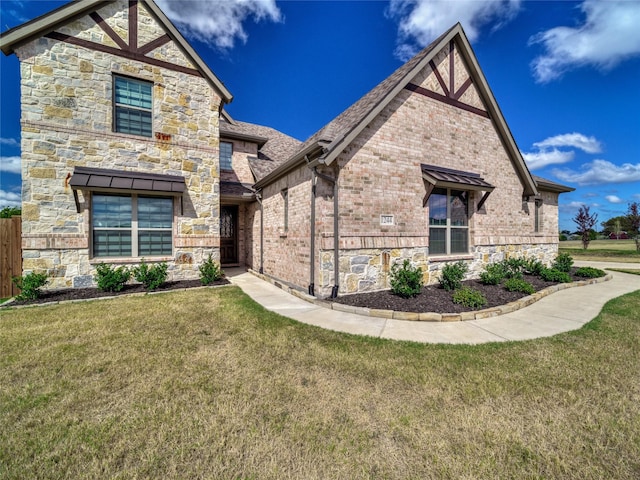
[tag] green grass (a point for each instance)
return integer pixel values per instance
(626, 270)
(207, 384)
(602, 250)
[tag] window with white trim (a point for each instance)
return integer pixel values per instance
(132, 106)
(226, 152)
(131, 225)
(448, 221)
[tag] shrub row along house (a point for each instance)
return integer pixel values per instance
(128, 153)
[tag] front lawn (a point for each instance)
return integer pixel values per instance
(602, 250)
(207, 384)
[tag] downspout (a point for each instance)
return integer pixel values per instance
(259, 199)
(336, 236)
(312, 255)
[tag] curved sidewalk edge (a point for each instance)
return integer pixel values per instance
(562, 311)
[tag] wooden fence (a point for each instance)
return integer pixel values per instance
(10, 254)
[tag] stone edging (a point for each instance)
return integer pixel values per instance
(430, 316)
(8, 304)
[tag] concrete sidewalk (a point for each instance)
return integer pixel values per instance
(559, 312)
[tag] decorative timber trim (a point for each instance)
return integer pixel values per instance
(445, 99)
(133, 25)
(451, 95)
(108, 30)
(131, 55)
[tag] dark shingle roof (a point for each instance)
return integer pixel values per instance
(356, 113)
(274, 147)
(548, 185)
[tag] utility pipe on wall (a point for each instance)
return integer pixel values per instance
(259, 199)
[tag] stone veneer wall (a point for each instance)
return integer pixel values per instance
(67, 116)
(368, 270)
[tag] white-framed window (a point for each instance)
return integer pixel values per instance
(132, 106)
(448, 222)
(226, 152)
(131, 225)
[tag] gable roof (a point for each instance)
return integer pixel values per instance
(549, 186)
(334, 137)
(47, 23)
(274, 147)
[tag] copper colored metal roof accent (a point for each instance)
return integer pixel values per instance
(448, 175)
(100, 178)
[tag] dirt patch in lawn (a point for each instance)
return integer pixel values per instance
(434, 299)
(66, 294)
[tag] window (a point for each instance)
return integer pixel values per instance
(133, 105)
(131, 226)
(285, 198)
(537, 216)
(226, 150)
(448, 221)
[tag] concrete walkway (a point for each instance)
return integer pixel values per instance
(559, 312)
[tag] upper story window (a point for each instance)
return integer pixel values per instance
(448, 221)
(226, 151)
(133, 106)
(131, 225)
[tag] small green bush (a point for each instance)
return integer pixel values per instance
(554, 275)
(210, 271)
(563, 262)
(493, 274)
(514, 267)
(152, 277)
(533, 266)
(469, 297)
(519, 285)
(29, 285)
(110, 278)
(590, 272)
(452, 275)
(406, 281)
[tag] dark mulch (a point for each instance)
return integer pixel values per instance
(89, 293)
(437, 300)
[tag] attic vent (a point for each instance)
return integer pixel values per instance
(386, 219)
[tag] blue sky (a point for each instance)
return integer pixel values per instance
(565, 75)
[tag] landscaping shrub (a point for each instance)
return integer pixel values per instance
(29, 285)
(493, 274)
(406, 281)
(519, 285)
(469, 297)
(514, 267)
(151, 277)
(554, 275)
(563, 262)
(111, 279)
(452, 275)
(590, 272)
(210, 271)
(533, 266)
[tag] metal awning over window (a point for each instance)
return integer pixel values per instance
(448, 178)
(85, 178)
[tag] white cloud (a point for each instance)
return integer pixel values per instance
(218, 22)
(9, 199)
(422, 21)
(547, 157)
(12, 142)
(609, 35)
(636, 195)
(10, 164)
(599, 172)
(575, 140)
(614, 199)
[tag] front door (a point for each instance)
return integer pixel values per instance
(228, 234)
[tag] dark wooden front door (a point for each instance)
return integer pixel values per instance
(228, 234)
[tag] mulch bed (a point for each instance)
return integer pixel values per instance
(89, 293)
(437, 300)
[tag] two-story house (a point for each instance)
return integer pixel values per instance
(128, 153)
